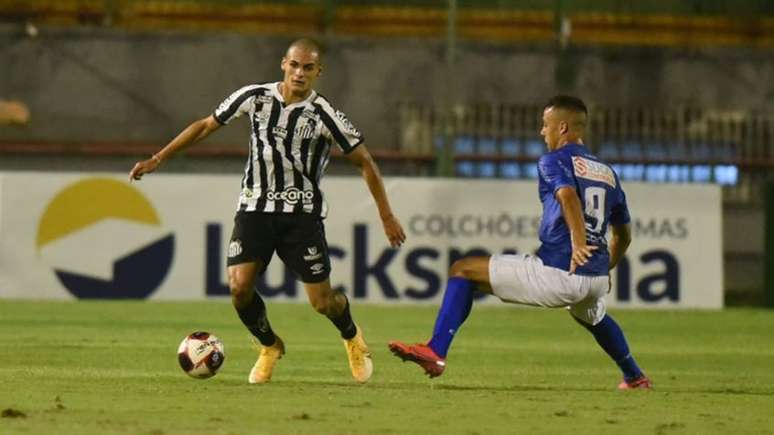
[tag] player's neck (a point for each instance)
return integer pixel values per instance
(291, 97)
(568, 141)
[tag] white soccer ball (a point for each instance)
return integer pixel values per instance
(201, 354)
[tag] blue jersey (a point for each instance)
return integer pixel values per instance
(603, 202)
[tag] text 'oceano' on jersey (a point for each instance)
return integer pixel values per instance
(291, 196)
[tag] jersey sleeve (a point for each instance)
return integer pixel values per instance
(338, 128)
(236, 104)
(554, 172)
(619, 212)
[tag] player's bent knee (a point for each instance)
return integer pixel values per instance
(457, 269)
(586, 319)
(324, 299)
(321, 306)
(326, 306)
(239, 290)
(578, 320)
(240, 286)
(463, 268)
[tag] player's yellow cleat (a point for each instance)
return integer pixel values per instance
(360, 362)
(267, 359)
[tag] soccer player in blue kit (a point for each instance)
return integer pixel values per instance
(581, 197)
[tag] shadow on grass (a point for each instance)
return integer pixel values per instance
(403, 386)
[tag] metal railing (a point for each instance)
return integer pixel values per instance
(679, 145)
(685, 145)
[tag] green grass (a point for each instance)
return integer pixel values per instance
(111, 368)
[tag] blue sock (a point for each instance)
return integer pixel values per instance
(611, 338)
(456, 305)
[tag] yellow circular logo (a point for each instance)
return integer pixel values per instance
(89, 203)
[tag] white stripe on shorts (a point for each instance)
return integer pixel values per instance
(524, 279)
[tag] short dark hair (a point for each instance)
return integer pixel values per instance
(308, 44)
(568, 102)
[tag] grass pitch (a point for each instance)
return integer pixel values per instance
(111, 368)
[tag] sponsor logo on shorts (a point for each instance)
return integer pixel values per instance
(291, 196)
(234, 248)
(313, 254)
(317, 268)
(591, 170)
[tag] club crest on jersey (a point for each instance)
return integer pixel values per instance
(347, 125)
(591, 170)
(306, 130)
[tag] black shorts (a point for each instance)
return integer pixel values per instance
(299, 240)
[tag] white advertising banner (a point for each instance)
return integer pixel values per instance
(71, 235)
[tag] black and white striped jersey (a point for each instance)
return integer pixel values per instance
(289, 148)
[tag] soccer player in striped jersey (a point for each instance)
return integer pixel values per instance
(581, 197)
(281, 207)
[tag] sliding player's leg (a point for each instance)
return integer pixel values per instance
(465, 276)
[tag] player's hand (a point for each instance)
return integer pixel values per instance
(393, 230)
(144, 167)
(14, 112)
(581, 255)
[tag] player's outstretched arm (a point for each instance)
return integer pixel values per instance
(361, 158)
(195, 132)
(573, 216)
(619, 242)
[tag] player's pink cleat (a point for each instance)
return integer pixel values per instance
(421, 354)
(641, 383)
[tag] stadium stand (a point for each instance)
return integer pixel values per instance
(678, 145)
(660, 23)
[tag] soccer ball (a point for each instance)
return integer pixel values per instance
(200, 355)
